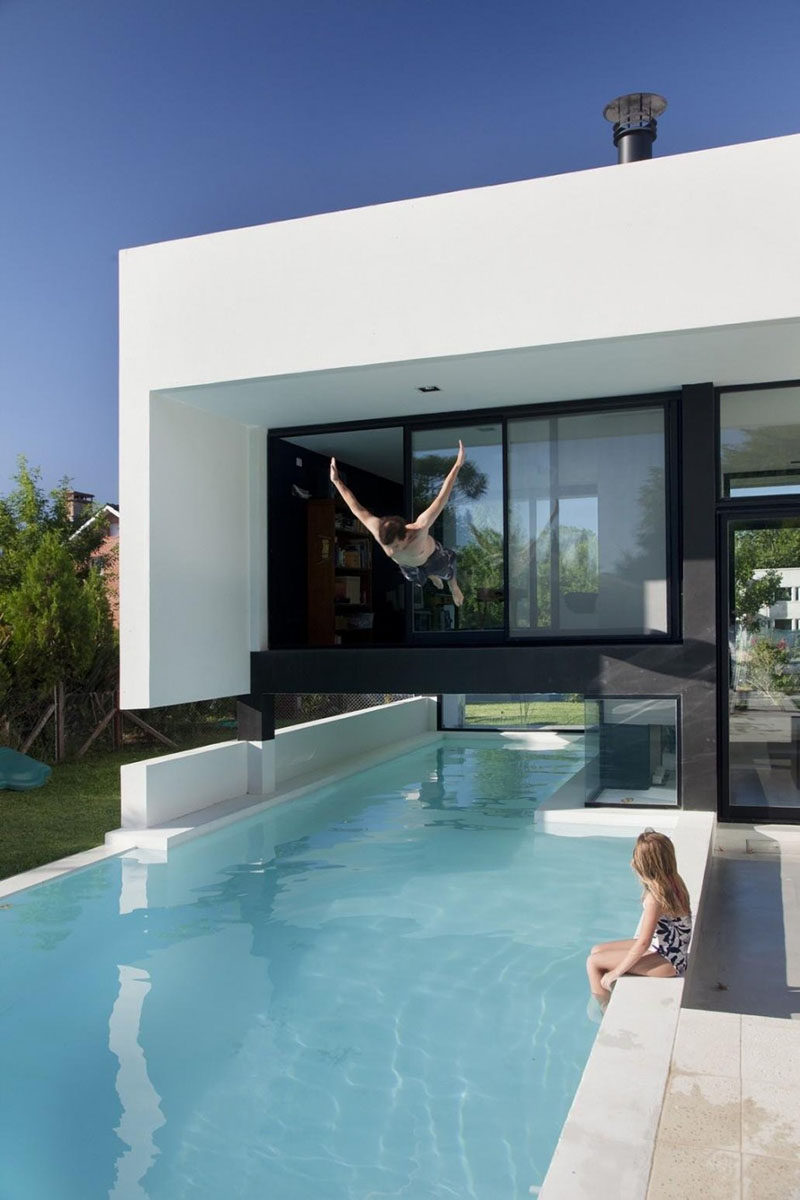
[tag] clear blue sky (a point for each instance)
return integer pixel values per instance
(124, 122)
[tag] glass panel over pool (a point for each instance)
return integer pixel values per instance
(377, 990)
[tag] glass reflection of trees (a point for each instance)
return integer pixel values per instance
(469, 527)
(764, 660)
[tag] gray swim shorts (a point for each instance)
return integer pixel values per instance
(441, 563)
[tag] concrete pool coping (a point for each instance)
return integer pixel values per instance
(607, 1142)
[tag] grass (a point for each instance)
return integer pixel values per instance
(73, 811)
(536, 712)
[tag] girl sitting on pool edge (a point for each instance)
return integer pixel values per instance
(662, 935)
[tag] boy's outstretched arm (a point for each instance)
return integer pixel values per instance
(427, 518)
(362, 514)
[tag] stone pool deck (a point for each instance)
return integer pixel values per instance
(730, 1124)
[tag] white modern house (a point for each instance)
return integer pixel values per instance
(618, 349)
(784, 614)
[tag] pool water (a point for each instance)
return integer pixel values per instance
(374, 991)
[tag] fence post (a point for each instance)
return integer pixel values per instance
(116, 728)
(60, 702)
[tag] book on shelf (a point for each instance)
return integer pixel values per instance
(355, 555)
(348, 589)
(359, 621)
(346, 523)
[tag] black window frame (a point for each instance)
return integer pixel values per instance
(723, 390)
(729, 509)
(678, 699)
(668, 401)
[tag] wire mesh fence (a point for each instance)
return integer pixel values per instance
(296, 709)
(68, 724)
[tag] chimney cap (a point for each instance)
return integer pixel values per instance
(636, 108)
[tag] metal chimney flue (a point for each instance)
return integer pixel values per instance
(634, 118)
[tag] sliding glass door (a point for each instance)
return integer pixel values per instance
(559, 525)
(761, 741)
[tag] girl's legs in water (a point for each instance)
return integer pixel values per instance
(607, 955)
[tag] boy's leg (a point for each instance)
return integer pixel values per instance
(456, 592)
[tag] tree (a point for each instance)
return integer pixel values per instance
(429, 475)
(766, 668)
(767, 551)
(757, 456)
(49, 618)
(480, 561)
(28, 513)
(577, 567)
(480, 572)
(751, 595)
(55, 623)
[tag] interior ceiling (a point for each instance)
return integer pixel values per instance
(380, 450)
(377, 450)
(730, 355)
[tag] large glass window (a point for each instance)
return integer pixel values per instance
(631, 751)
(471, 524)
(628, 746)
(763, 667)
(760, 442)
(557, 520)
(587, 524)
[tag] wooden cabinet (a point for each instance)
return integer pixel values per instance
(340, 608)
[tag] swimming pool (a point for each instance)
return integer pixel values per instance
(374, 991)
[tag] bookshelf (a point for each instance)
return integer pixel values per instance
(340, 608)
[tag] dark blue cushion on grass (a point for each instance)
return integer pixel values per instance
(20, 772)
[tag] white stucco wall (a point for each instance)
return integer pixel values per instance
(160, 790)
(199, 553)
(622, 279)
(318, 745)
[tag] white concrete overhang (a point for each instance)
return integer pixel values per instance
(760, 352)
(619, 280)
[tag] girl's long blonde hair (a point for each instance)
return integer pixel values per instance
(654, 863)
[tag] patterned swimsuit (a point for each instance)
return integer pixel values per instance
(671, 940)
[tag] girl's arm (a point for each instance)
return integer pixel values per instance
(641, 946)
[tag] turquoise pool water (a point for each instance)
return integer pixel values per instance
(376, 991)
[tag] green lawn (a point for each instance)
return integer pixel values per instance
(537, 712)
(73, 811)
